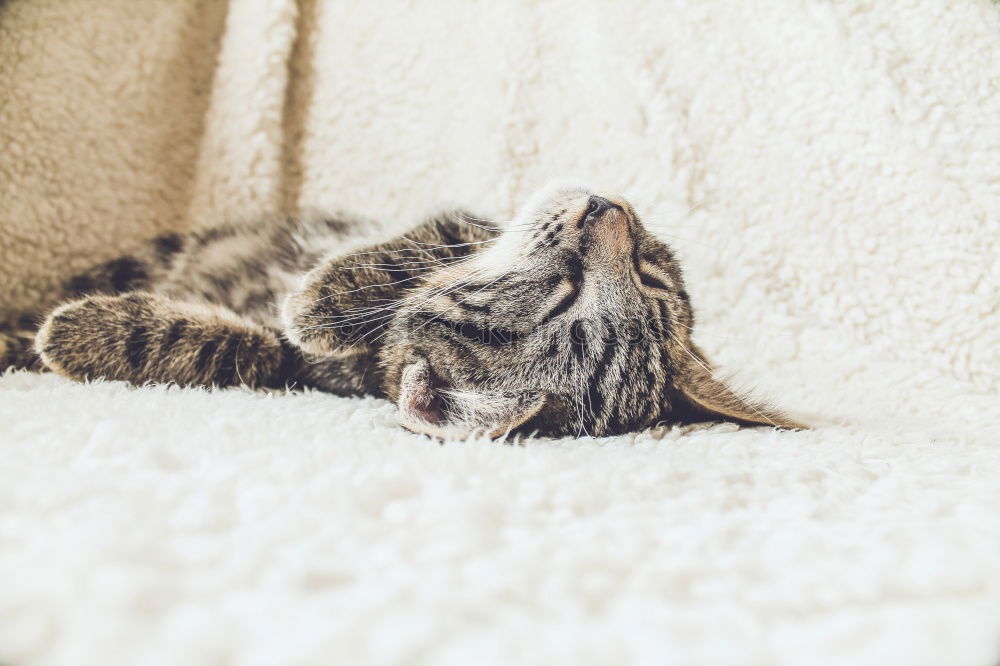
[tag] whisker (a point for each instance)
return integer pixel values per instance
(433, 294)
(517, 264)
(368, 286)
(383, 251)
(418, 299)
(699, 204)
(335, 325)
(431, 246)
(442, 292)
(410, 267)
(467, 219)
(413, 261)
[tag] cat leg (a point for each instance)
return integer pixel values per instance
(138, 337)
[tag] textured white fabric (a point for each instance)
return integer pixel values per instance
(830, 176)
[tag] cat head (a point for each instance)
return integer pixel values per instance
(571, 319)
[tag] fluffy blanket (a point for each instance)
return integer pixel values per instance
(829, 174)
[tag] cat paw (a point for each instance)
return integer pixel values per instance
(320, 329)
(63, 342)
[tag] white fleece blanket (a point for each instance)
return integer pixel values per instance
(829, 174)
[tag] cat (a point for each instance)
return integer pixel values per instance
(570, 320)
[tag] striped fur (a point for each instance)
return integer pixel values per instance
(571, 319)
(142, 337)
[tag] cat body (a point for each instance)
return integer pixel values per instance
(571, 319)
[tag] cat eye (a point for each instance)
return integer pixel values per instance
(647, 275)
(651, 281)
(565, 302)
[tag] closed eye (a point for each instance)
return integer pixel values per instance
(565, 303)
(651, 281)
(650, 276)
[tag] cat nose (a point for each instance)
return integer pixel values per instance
(596, 208)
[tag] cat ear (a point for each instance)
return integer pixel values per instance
(703, 397)
(346, 302)
(427, 406)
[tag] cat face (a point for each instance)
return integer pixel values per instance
(570, 320)
(574, 320)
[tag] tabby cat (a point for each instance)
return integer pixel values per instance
(570, 320)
